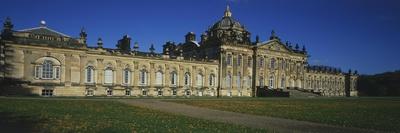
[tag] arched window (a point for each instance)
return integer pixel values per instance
(272, 65)
(283, 82)
(212, 80)
(108, 76)
(261, 62)
(174, 78)
(187, 79)
(239, 60)
(199, 80)
(89, 74)
(143, 77)
(127, 76)
(228, 81)
(249, 61)
(159, 78)
(271, 82)
(47, 68)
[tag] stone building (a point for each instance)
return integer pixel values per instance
(225, 62)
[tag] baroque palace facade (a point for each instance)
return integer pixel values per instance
(225, 62)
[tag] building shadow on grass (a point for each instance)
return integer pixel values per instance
(14, 87)
(11, 123)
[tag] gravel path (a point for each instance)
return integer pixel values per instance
(269, 123)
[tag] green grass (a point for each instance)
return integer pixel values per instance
(371, 113)
(55, 115)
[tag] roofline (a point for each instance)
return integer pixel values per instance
(26, 30)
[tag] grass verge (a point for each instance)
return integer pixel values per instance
(370, 113)
(52, 115)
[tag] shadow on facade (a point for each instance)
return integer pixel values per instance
(266, 92)
(8, 84)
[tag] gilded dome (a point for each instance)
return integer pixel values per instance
(228, 30)
(227, 22)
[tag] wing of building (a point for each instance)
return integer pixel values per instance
(225, 62)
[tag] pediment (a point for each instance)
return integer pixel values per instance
(44, 31)
(274, 46)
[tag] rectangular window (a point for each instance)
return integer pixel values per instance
(57, 73)
(159, 78)
(174, 92)
(37, 72)
(249, 62)
(229, 60)
(108, 76)
(47, 92)
(89, 75)
(109, 92)
(127, 92)
(173, 79)
(143, 78)
(211, 82)
(261, 63)
(47, 70)
(272, 65)
(159, 92)
(187, 78)
(199, 80)
(126, 76)
(144, 93)
(89, 93)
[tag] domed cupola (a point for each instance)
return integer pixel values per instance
(229, 30)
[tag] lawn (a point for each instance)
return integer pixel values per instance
(55, 115)
(371, 113)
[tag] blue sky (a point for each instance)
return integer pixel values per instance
(357, 34)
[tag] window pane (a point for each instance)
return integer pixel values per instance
(211, 82)
(199, 80)
(108, 76)
(47, 70)
(159, 78)
(37, 71)
(187, 79)
(89, 75)
(126, 76)
(143, 77)
(173, 78)
(57, 72)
